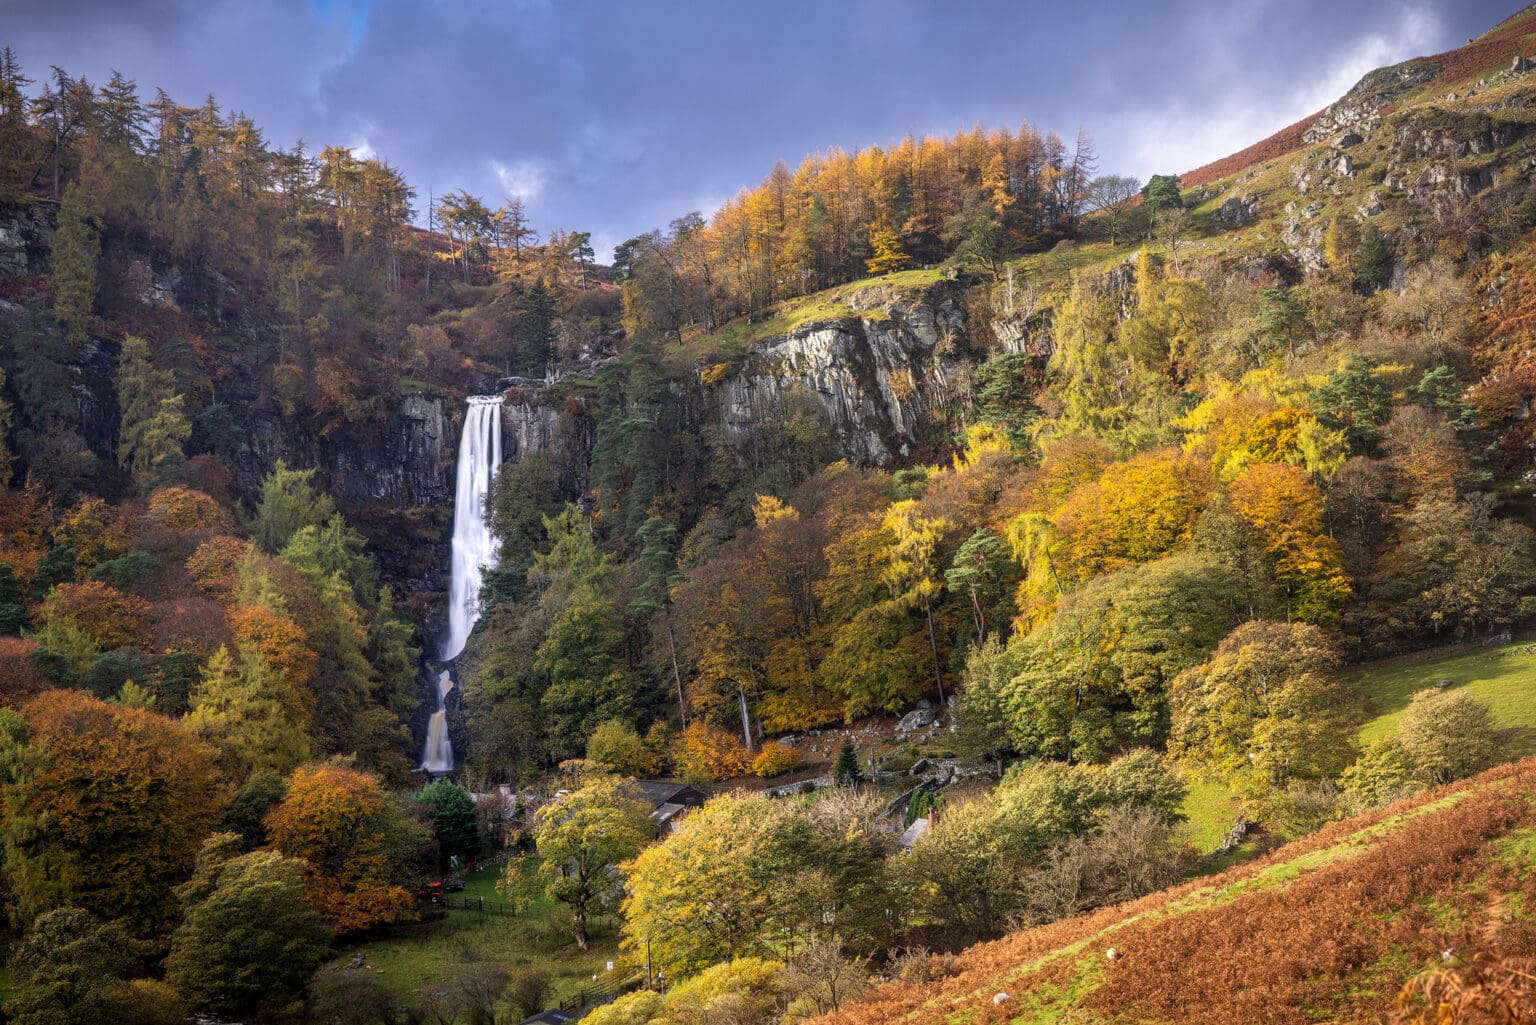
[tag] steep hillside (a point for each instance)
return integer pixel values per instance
(1379, 91)
(1437, 890)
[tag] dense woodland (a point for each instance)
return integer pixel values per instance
(1144, 557)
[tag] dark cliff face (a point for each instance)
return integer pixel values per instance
(26, 238)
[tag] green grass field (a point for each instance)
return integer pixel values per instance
(1504, 677)
(1209, 811)
(417, 957)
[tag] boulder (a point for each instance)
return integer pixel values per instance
(1237, 211)
(916, 720)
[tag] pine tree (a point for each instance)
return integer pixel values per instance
(847, 768)
(76, 247)
(1373, 260)
(13, 614)
(154, 425)
(535, 332)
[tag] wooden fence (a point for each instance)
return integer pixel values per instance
(599, 994)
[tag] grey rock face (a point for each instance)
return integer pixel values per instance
(917, 719)
(880, 382)
(1359, 110)
(1237, 211)
(26, 238)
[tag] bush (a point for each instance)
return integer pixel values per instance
(775, 759)
(1448, 735)
(1383, 774)
(616, 745)
(530, 991)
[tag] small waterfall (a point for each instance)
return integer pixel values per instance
(473, 547)
(438, 757)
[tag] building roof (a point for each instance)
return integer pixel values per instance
(548, 1018)
(661, 791)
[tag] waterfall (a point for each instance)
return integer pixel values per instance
(473, 548)
(473, 551)
(438, 756)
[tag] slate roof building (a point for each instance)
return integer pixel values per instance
(669, 800)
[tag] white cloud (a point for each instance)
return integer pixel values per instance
(1181, 136)
(524, 178)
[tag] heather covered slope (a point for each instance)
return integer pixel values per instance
(1326, 929)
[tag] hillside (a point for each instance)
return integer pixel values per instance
(1435, 890)
(951, 536)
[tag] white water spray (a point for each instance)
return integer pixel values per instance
(473, 548)
(473, 551)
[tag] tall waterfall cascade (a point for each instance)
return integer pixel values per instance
(473, 552)
(473, 548)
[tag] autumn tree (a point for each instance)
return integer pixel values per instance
(246, 711)
(1285, 511)
(248, 942)
(887, 256)
(1266, 710)
(708, 891)
(1448, 735)
(353, 840)
(582, 838)
(106, 807)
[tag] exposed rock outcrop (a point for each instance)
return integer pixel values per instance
(26, 238)
(883, 380)
(1359, 111)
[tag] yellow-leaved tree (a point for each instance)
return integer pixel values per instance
(582, 838)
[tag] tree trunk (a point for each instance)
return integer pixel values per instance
(677, 676)
(746, 721)
(933, 644)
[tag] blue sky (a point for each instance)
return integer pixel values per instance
(614, 116)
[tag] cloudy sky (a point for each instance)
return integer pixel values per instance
(614, 116)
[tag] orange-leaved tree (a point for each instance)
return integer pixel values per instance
(1285, 510)
(105, 807)
(353, 839)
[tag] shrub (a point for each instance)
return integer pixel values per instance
(1448, 735)
(775, 759)
(616, 745)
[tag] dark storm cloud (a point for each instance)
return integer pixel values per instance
(617, 116)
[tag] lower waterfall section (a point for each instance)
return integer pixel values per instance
(438, 755)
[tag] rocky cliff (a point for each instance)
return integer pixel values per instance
(884, 380)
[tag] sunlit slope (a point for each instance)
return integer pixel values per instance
(1326, 929)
